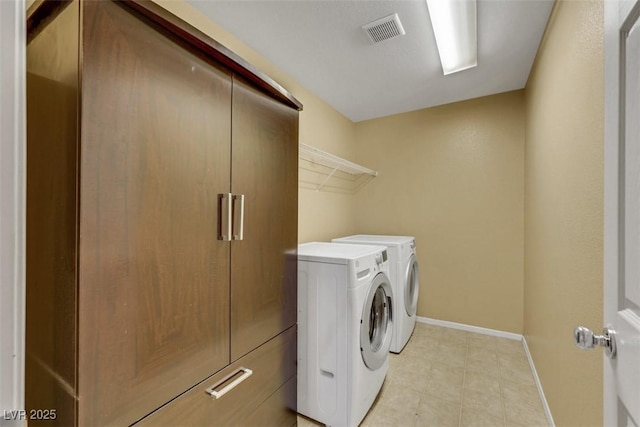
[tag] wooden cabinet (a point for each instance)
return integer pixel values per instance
(264, 285)
(133, 299)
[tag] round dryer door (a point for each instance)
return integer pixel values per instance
(376, 323)
(411, 286)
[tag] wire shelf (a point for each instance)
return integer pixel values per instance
(327, 171)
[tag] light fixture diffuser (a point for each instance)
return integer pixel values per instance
(455, 28)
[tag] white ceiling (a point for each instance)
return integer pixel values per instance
(320, 43)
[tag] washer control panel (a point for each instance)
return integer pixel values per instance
(381, 258)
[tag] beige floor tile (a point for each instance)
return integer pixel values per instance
(482, 341)
(445, 382)
(483, 367)
(483, 401)
(530, 423)
(423, 329)
(451, 354)
(514, 392)
(422, 347)
(517, 374)
(389, 416)
(479, 418)
(385, 386)
(419, 365)
(454, 335)
(508, 346)
(484, 354)
(398, 395)
(522, 404)
(395, 360)
(513, 359)
(410, 379)
(426, 340)
(482, 382)
(391, 374)
(444, 373)
(482, 360)
(420, 351)
(526, 415)
(443, 390)
(307, 422)
(437, 412)
(514, 424)
(370, 417)
(449, 348)
(516, 370)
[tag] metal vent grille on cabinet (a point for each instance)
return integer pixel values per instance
(385, 28)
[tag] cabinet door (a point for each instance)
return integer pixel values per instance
(263, 264)
(154, 278)
(265, 397)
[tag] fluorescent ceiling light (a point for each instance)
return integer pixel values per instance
(454, 25)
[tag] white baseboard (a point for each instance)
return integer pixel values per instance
(500, 334)
(545, 405)
(469, 328)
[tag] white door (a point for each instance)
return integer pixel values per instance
(622, 211)
(12, 208)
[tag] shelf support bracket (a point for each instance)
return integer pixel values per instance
(326, 179)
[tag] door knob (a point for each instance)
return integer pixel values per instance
(585, 339)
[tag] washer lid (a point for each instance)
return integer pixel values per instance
(335, 253)
(374, 239)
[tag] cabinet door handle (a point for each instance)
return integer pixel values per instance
(224, 225)
(238, 217)
(228, 383)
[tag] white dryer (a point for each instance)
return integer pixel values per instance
(344, 330)
(405, 281)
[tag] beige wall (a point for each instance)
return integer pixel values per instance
(453, 177)
(322, 215)
(564, 210)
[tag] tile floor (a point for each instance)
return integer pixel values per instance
(447, 377)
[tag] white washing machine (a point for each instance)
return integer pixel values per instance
(403, 272)
(344, 330)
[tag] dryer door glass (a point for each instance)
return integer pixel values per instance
(376, 322)
(378, 319)
(412, 286)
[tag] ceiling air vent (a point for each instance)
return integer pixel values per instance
(384, 28)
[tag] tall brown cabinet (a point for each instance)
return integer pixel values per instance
(161, 224)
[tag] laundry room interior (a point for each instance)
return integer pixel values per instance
(501, 197)
(503, 193)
